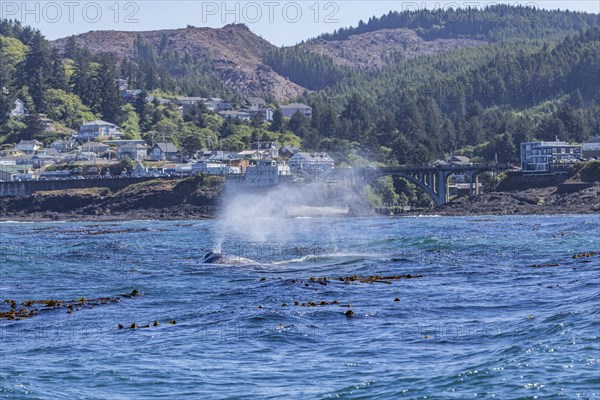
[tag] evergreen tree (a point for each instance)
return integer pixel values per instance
(35, 70)
(277, 123)
(108, 94)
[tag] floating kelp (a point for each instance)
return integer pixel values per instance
(544, 265)
(27, 310)
(365, 279)
(588, 254)
(317, 303)
(93, 232)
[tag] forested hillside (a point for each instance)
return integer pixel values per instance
(490, 98)
(492, 23)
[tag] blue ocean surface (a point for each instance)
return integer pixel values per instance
(466, 307)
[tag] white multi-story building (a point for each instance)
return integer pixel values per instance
(548, 157)
(310, 161)
(98, 130)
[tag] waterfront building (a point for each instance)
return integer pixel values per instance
(548, 157)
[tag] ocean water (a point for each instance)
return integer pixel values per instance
(496, 307)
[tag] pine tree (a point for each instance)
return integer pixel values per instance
(7, 97)
(108, 93)
(277, 123)
(35, 70)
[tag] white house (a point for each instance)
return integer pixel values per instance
(19, 110)
(310, 161)
(290, 109)
(98, 130)
(29, 146)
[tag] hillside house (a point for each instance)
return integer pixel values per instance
(290, 109)
(63, 146)
(218, 105)
(122, 84)
(164, 151)
(262, 114)
(255, 102)
(19, 109)
(270, 149)
(97, 148)
(244, 116)
(98, 129)
(130, 96)
(134, 151)
(288, 151)
(29, 146)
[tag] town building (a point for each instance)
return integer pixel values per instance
(268, 149)
(548, 157)
(164, 151)
(256, 102)
(19, 109)
(63, 146)
(134, 151)
(244, 116)
(98, 130)
(459, 160)
(288, 151)
(214, 168)
(122, 84)
(130, 96)
(29, 146)
(260, 113)
(99, 149)
(310, 162)
(290, 109)
(591, 148)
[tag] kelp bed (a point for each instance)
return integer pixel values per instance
(581, 257)
(31, 308)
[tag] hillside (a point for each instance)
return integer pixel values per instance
(374, 50)
(233, 52)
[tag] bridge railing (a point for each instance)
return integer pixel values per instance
(449, 167)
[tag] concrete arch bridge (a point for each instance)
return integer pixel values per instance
(432, 179)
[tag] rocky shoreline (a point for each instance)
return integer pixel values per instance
(197, 199)
(536, 201)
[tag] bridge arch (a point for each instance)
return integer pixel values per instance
(433, 180)
(429, 182)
